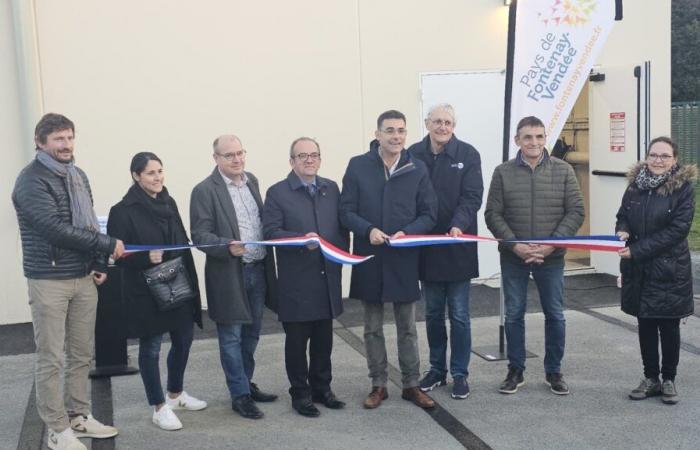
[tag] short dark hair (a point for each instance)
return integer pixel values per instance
(391, 114)
(51, 123)
(529, 121)
(140, 161)
(665, 140)
(299, 139)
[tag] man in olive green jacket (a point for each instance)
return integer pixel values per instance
(533, 196)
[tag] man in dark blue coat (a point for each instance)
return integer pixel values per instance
(309, 286)
(387, 194)
(446, 270)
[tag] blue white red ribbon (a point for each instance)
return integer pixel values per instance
(333, 253)
(329, 250)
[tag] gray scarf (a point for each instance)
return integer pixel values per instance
(647, 181)
(80, 202)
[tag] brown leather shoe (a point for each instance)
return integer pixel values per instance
(375, 397)
(418, 397)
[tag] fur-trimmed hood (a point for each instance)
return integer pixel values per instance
(686, 173)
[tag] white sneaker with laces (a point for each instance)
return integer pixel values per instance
(65, 440)
(88, 426)
(166, 419)
(185, 401)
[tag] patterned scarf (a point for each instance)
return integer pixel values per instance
(80, 202)
(647, 181)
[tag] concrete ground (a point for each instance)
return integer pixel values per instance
(602, 364)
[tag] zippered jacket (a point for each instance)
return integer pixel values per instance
(527, 203)
(52, 248)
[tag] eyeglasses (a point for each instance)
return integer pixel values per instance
(240, 155)
(655, 156)
(393, 131)
(304, 156)
(440, 122)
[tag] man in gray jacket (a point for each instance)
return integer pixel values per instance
(533, 196)
(61, 243)
(226, 208)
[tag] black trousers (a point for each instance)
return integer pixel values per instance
(670, 332)
(312, 375)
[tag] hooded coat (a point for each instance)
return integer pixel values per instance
(657, 281)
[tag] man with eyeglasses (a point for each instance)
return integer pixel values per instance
(533, 196)
(446, 270)
(309, 285)
(226, 208)
(387, 194)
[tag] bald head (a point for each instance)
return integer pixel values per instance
(229, 156)
(225, 138)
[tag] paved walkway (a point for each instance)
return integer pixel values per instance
(601, 365)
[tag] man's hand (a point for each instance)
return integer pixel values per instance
(99, 277)
(155, 256)
(118, 250)
(623, 235)
(528, 253)
(625, 253)
(542, 252)
(377, 236)
(236, 249)
(455, 232)
(398, 234)
(313, 245)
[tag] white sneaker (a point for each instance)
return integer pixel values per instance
(65, 440)
(185, 401)
(166, 418)
(88, 426)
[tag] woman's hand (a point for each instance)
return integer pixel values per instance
(625, 253)
(623, 235)
(155, 256)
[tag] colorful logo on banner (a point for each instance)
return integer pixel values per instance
(556, 44)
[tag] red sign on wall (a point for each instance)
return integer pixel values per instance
(617, 132)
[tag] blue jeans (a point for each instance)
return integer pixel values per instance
(550, 285)
(454, 295)
(149, 356)
(237, 342)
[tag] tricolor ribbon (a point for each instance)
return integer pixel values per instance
(333, 253)
(600, 243)
(329, 250)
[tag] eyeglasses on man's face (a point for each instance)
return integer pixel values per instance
(240, 155)
(393, 131)
(657, 156)
(304, 156)
(439, 122)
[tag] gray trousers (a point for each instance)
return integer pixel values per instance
(63, 315)
(406, 340)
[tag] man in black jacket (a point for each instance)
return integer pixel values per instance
(446, 270)
(388, 194)
(61, 241)
(309, 288)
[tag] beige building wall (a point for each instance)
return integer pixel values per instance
(170, 76)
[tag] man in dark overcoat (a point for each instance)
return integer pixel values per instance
(309, 285)
(387, 194)
(226, 208)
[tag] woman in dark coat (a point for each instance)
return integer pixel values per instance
(657, 286)
(147, 215)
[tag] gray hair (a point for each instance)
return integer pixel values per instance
(297, 140)
(215, 144)
(442, 107)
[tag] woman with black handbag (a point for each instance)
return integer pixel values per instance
(657, 285)
(160, 289)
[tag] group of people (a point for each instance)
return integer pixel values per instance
(433, 187)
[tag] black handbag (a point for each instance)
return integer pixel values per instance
(169, 283)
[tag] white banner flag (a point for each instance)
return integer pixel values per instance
(556, 44)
